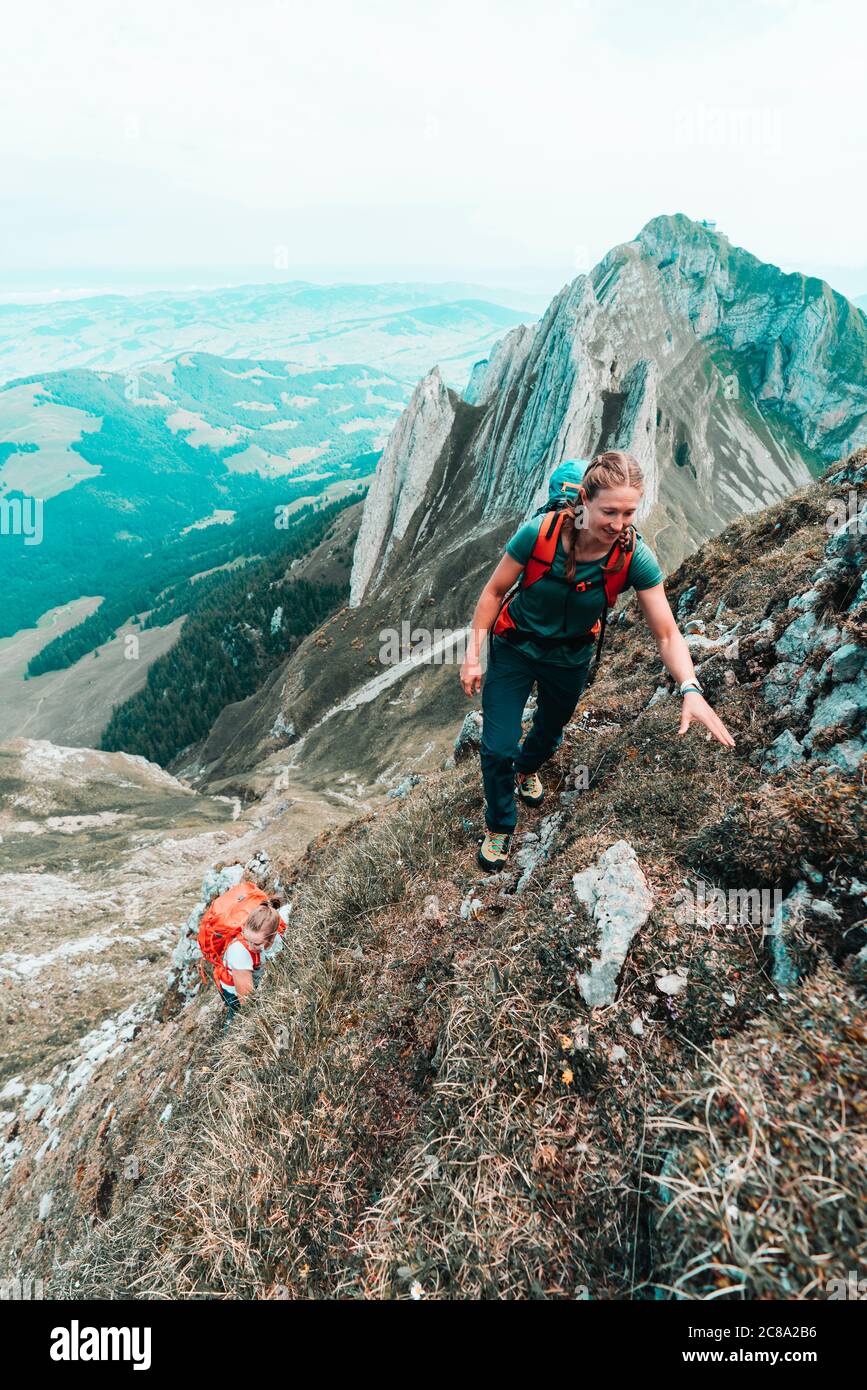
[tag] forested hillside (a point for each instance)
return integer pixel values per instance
(243, 622)
(162, 583)
(122, 468)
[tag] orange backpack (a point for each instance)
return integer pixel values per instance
(223, 921)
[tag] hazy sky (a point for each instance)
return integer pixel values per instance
(498, 141)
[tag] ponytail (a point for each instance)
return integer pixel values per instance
(265, 917)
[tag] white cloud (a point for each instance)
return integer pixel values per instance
(479, 133)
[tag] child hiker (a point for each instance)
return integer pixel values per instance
(238, 932)
(572, 565)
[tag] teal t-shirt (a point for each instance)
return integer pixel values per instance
(552, 607)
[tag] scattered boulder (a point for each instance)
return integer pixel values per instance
(779, 679)
(783, 752)
(849, 754)
(790, 913)
(725, 644)
(826, 912)
(856, 967)
(258, 869)
(616, 893)
(283, 728)
(799, 638)
(35, 1101)
(684, 603)
(533, 852)
(674, 982)
(845, 705)
(431, 910)
(762, 636)
(846, 662)
(469, 740)
(405, 787)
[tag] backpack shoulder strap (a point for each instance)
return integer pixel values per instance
(545, 548)
(616, 565)
(615, 581)
(539, 563)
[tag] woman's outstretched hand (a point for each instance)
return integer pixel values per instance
(696, 707)
(471, 677)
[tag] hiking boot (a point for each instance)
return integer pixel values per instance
(494, 851)
(530, 789)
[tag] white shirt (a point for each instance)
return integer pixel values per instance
(237, 957)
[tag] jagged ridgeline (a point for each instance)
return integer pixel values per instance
(733, 384)
(730, 381)
(459, 1086)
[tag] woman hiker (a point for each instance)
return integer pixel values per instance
(573, 563)
(238, 933)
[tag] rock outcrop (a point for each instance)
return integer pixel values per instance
(616, 894)
(819, 680)
(711, 385)
(399, 486)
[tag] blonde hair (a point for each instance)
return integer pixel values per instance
(264, 918)
(612, 469)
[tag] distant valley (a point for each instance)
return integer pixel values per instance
(147, 438)
(402, 328)
(134, 475)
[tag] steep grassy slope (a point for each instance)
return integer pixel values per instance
(420, 1104)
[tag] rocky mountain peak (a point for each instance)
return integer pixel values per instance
(399, 486)
(732, 382)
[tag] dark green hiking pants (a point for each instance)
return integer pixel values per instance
(507, 683)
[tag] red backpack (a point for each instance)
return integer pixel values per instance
(615, 574)
(223, 921)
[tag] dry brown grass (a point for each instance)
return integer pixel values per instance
(762, 1187)
(309, 1096)
(819, 815)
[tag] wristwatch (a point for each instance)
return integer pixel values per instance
(691, 684)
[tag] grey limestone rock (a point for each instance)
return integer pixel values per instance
(616, 893)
